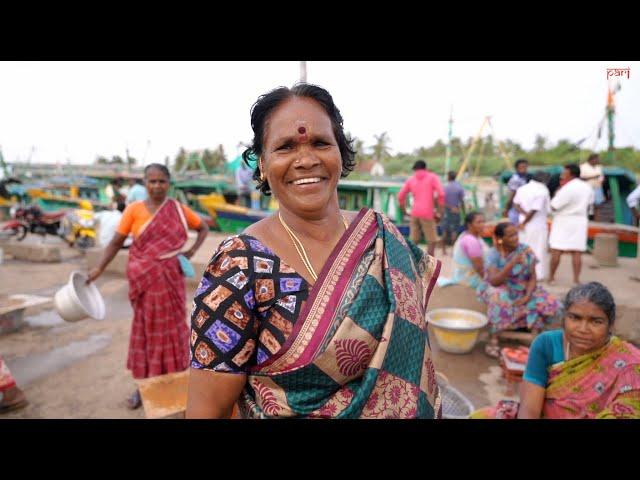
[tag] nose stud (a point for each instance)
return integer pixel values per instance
(302, 130)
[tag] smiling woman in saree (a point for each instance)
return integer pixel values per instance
(312, 312)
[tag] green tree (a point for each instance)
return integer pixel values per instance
(381, 149)
(180, 160)
(539, 144)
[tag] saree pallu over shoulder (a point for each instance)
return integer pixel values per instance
(159, 341)
(360, 348)
(601, 384)
(162, 235)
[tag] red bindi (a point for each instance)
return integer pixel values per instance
(302, 130)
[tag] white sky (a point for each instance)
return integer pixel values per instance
(79, 110)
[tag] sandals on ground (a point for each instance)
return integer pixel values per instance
(134, 401)
(492, 350)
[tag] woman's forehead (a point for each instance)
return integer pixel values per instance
(296, 113)
(586, 308)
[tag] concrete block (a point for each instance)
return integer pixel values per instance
(605, 249)
(627, 325)
(33, 253)
(117, 265)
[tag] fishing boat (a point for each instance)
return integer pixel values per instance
(63, 192)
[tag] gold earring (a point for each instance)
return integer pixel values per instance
(261, 172)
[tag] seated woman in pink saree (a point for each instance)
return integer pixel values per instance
(580, 371)
(159, 333)
(313, 312)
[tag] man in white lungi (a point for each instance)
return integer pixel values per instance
(570, 207)
(532, 201)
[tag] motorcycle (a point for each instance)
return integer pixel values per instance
(79, 228)
(31, 219)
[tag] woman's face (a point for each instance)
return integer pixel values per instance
(157, 184)
(510, 239)
(301, 158)
(477, 225)
(586, 326)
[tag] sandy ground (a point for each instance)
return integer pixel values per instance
(77, 370)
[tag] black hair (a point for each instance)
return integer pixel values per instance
(267, 103)
(470, 217)
(420, 165)
(520, 161)
(501, 228)
(574, 169)
(541, 176)
(595, 293)
(592, 156)
(451, 175)
(157, 166)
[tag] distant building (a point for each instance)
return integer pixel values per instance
(372, 167)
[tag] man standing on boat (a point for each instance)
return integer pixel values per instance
(591, 172)
(244, 182)
(532, 201)
(570, 207)
(516, 181)
(423, 184)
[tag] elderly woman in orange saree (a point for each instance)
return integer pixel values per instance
(159, 333)
(581, 370)
(314, 312)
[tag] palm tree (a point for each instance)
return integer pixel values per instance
(381, 149)
(539, 143)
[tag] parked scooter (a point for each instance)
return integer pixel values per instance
(31, 219)
(79, 227)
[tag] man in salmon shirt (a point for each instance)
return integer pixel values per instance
(423, 184)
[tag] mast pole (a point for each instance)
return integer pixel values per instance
(447, 161)
(611, 109)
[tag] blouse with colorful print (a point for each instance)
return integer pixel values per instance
(245, 306)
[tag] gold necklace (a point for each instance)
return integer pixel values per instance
(302, 253)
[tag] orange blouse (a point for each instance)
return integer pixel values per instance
(136, 215)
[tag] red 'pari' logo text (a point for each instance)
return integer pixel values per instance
(618, 72)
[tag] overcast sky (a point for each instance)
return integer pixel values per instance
(79, 110)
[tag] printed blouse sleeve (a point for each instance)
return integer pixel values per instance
(223, 322)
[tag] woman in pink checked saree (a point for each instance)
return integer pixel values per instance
(159, 341)
(356, 347)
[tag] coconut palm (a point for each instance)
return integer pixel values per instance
(381, 149)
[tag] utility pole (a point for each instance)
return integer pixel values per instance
(303, 72)
(611, 110)
(127, 159)
(447, 160)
